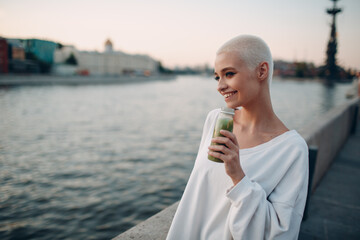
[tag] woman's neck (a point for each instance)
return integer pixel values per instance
(258, 117)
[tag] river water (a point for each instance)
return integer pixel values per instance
(89, 162)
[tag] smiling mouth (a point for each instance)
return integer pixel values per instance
(227, 95)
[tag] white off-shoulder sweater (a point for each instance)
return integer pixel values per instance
(268, 203)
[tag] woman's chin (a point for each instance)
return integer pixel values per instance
(232, 105)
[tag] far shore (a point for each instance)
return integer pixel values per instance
(13, 80)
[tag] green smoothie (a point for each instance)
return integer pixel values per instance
(221, 124)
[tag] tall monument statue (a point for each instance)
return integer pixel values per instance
(331, 68)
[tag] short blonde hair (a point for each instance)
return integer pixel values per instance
(252, 49)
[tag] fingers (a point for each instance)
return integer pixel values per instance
(222, 152)
(218, 155)
(225, 141)
(229, 135)
(220, 148)
(227, 149)
(224, 149)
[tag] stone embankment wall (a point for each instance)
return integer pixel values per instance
(327, 134)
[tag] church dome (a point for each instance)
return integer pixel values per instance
(108, 42)
(108, 46)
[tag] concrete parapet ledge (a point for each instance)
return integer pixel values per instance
(154, 228)
(327, 133)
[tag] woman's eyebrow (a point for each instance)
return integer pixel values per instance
(227, 68)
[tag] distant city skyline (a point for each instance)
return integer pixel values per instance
(187, 33)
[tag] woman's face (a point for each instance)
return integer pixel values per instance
(236, 82)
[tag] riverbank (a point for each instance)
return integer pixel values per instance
(12, 80)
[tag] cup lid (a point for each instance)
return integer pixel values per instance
(228, 110)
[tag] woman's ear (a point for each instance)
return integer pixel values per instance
(263, 71)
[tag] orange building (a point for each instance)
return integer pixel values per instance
(18, 53)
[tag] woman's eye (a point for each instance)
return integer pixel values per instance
(216, 78)
(229, 74)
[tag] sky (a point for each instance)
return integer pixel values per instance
(188, 32)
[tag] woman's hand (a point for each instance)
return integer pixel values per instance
(229, 153)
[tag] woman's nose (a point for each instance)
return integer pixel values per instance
(221, 85)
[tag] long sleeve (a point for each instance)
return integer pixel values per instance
(210, 120)
(256, 214)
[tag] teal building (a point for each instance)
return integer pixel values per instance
(42, 49)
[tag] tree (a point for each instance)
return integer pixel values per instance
(163, 69)
(71, 60)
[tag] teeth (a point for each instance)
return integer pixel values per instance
(228, 94)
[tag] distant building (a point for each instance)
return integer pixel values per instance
(16, 56)
(4, 67)
(43, 50)
(284, 68)
(30, 55)
(107, 63)
(16, 49)
(108, 46)
(294, 69)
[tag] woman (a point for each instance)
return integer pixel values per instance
(259, 192)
